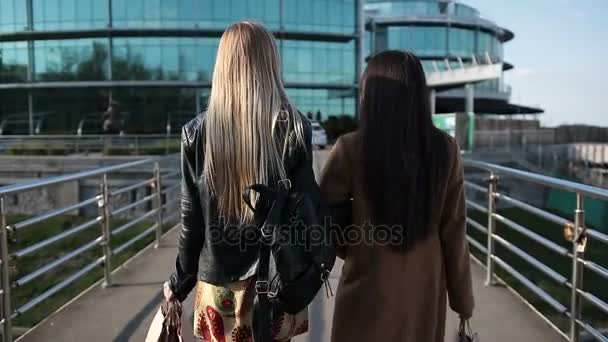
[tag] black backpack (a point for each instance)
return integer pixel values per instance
(296, 254)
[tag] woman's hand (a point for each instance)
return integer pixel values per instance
(167, 291)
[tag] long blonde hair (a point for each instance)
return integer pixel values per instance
(246, 138)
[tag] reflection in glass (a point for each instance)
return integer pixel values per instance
(326, 101)
(318, 62)
(13, 62)
(13, 16)
(175, 59)
(210, 14)
(51, 15)
(71, 60)
(422, 40)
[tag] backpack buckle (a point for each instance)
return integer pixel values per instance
(262, 287)
(286, 183)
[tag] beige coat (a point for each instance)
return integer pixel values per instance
(384, 295)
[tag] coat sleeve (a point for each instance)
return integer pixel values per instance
(454, 244)
(191, 236)
(336, 189)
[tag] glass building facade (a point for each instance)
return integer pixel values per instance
(63, 61)
(443, 33)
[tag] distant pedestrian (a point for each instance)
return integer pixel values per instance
(405, 178)
(112, 120)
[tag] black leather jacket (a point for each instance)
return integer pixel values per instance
(204, 249)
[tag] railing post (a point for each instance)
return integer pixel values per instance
(159, 204)
(7, 328)
(492, 182)
(104, 206)
(578, 248)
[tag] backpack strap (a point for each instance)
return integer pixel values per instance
(278, 198)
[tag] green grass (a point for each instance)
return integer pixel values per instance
(595, 251)
(25, 265)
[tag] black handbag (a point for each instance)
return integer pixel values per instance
(465, 333)
(296, 255)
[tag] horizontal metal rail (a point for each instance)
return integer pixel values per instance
(133, 240)
(477, 245)
(594, 234)
(476, 187)
(147, 182)
(602, 271)
(530, 285)
(591, 330)
(600, 304)
(36, 184)
(37, 246)
(476, 206)
(557, 183)
(477, 225)
(571, 228)
(531, 260)
(55, 263)
(58, 287)
(134, 222)
(133, 205)
(171, 174)
(54, 213)
(534, 210)
(532, 235)
(171, 188)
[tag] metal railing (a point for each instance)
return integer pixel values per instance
(93, 143)
(575, 232)
(156, 178)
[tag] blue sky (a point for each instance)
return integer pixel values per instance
(560, 53)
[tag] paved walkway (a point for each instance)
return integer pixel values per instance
(124, 311)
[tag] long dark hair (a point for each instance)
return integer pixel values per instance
(402, 151)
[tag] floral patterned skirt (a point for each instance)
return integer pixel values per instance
(225, 314)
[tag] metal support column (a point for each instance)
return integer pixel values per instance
(360, 52)
(30, 67)
(470, 99)
(7, 327)
(578, 248)
(492, 184)
(104, 206)
(110, 52)
(470, 113)
(159, 204)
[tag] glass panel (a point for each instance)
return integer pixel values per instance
(155, 107)
(13, 16)
(62, 110)
(336, 62)
(69, 14)
(462, 42)
(13, 112)
(332, 16)
(326, 102)
(184, 59)
(421, 40)
(13, 62)
(71, 60)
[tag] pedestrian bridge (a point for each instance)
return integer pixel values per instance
(538, 275)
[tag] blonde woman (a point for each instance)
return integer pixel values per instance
(249, 134)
